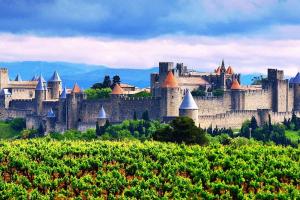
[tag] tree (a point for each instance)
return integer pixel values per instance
(134, 115)
(145, 116)
(41, 130)
(182, 129)
(18, 124)
(257, 80)
(198, 92)
(98, 131)
(106, 82)
(116, 80)
(253, 123)
(218, 92)
(97, 86)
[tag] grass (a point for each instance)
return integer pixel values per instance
(293, 135)
(6, 131)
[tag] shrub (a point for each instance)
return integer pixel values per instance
(18, 124)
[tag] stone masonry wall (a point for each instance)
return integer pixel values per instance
(258, 99)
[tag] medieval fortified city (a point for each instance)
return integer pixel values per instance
(57, 108)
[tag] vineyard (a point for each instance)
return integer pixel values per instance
(49, 169)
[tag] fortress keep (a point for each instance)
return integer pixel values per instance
(55, 108)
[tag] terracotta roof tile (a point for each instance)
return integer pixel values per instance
(76, 88)
(218, 70)
(170, 81)
(117, 90)
(229, 70)
(235, 85)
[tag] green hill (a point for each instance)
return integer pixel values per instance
(48, 169)
(6, 131)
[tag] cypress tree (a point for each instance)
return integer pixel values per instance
(253, 123)
(98, 129)
(134, 115)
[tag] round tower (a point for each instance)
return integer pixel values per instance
(62, 106)
(39, 97)
(102, 117)
(296, 85)
(170, 97)
(189, 108)
(55, 85)
(236, 96)
(115, 95)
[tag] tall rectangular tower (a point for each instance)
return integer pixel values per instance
(3, 78)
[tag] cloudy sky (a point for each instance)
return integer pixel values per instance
(251, 35)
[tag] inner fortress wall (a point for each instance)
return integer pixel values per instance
(258, 99)
(24, 104)
(139, 104)
(90, 109)
(213, 105)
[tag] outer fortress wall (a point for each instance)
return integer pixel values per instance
(234, 119)
(90, 109)
(25, 104)
(258, 99)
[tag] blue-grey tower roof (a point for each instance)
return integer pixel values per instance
(296, 79)
(188, 102)
(42, 78)
(40, 85)
(18, 78)
(63, 94)
(55, 77)
(34, 78)
(50, 113)
(102, 113)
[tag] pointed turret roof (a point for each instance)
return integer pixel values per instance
(64, 93)
(117, 90)
(235, 85)
(188, 102)
(50, 113)
(102, 113)
(34, 78)
(42, 78)
(76, 88)
(296, 79)
(170, 81)
(55, 77)
(40, 85)
(218, 70)
(229, 70)
(18, 78)
(223, 69)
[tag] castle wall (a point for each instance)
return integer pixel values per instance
(291, 96)
(282, 95)
(90, 110)
(25, 104)
(234, 119)
(213, 105)
(258, 99)
(22, 93)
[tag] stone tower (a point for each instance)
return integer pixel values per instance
(102, 117)
(237, 96)
(170, 97)
(73, 106)
(189, 108)
(295, 82)
(279, 87)
(115, 96)
(3, 78)
(39, 97)
(62, 106)
(55, 85)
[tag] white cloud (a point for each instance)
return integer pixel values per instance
(244, 54)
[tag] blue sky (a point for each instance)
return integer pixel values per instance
(250, 34)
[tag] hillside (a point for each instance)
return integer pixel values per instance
(44, 169)
(85, 75)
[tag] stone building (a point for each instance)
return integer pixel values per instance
(47, 104)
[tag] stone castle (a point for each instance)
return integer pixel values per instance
(48, 104)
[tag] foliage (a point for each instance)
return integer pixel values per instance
(89, 134)
(141, 94)
(116, 80)
(97, 93)
(257, 80)
(145, 115)
(6, 131)
(181, 129)
(218, 92)
(199, 92)
(47, 169)
(219, 131)
(18, 124)
(130, 129)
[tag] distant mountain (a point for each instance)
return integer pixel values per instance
(86, 75)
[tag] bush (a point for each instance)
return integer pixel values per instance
(18, 124)
(141, 94)
(218, 92)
